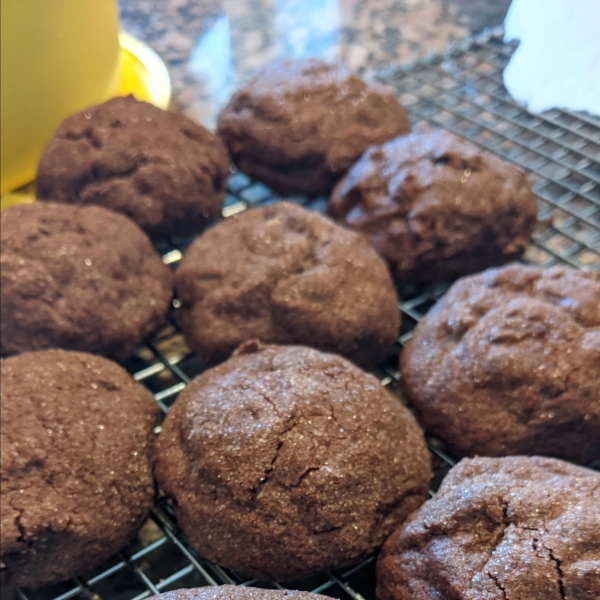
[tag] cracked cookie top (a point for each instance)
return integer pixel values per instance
(81, 278)
(285, 461)
(514, 528)
(508, 362)
(159, 168)
(286, 275)
(436, 206)
(76, 472)
(237, 592)
(298, 125)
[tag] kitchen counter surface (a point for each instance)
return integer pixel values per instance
(212, 46)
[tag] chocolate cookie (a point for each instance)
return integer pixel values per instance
(436, 206)
(298, 125)
(236, 592)
(522, 528)
(285, 461)
(286, 275)
(159, 168)
(76, 472)
(508, 362)
(81, 278)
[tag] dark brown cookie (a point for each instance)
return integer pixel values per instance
(285, 461)
(76, 472)
(81, 278)
(286, 275)
(436, 206)
(508, 362)
(159, 168)
(298, 125)
(520, 528)
(236, 592)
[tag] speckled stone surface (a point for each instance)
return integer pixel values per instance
(212, 46)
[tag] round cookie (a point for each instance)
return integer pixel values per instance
(285, 461)
(81, 278)
(159, 168)
(76, 472)
(298, 125)
(508, 362)
(500, 528)
(286, 275)
(436, 206)
(237, 592)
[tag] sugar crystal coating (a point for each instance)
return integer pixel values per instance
(75, 460)
(160, 168)
(286, 275)
(508, 362)
(500, 528)
(285, 461)
(436, 206)
(80, 278)
(298, 125)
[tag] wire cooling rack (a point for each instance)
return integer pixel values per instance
(460, 90)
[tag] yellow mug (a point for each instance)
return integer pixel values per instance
(58, 56)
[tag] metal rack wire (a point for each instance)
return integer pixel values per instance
(460, 90)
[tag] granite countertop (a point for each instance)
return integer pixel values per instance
(212, 46)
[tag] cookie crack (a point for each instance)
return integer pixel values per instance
(504, 524)
(455, 163)
(498, 538)
(292, 420)
(106, 385)
(49, 428)
(268, 472)
(303, 477)
(86, 134)
(17, 521)
(273, 405)
(497, 584)
(305, 262)
(504, 295)
(24, 538)
(96, 176)
(559, 572)
(386, 508)
(335, 420)
(549, 555)
(316, 531)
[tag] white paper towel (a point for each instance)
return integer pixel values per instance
(557, 63)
